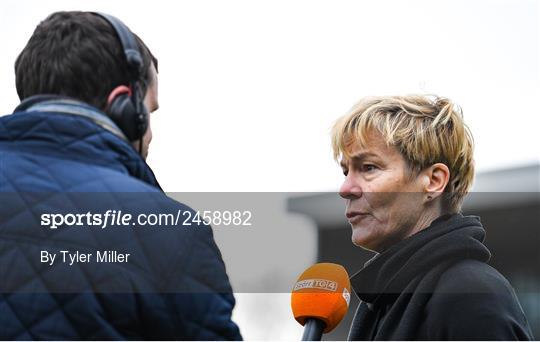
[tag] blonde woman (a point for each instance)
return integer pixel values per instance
(408, 164)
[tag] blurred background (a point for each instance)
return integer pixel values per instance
(250, 89)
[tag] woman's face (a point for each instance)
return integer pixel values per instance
(384, 203)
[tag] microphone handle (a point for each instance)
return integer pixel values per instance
(313, 329)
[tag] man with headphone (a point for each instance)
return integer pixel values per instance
(75, 149)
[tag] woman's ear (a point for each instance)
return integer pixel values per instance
(436, 178)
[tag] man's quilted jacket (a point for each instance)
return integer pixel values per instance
(52, 160)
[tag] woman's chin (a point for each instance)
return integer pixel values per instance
(361, 239)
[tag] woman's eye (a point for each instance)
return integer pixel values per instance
(369, 167)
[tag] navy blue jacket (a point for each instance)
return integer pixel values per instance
(61, 156)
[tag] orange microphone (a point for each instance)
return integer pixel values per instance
(320, 299)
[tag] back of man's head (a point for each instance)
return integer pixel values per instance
(76, 54)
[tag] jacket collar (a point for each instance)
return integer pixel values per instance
(65, 128)
(66, 105)
(448, 239)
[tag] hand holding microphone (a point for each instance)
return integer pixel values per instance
(320, 299)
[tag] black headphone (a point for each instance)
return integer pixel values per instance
(125, 105)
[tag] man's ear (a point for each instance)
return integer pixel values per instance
(436, 178)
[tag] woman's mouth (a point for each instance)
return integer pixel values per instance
(355, 216)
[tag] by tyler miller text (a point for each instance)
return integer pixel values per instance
(74, 257)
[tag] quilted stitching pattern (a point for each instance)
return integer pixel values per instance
(46, 161)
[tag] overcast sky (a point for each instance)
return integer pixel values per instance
(250, 89)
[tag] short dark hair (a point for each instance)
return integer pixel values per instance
(76, 54)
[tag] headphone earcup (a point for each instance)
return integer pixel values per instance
(123, 112)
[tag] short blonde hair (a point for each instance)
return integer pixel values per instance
(425, 129)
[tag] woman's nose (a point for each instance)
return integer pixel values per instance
(350, 188)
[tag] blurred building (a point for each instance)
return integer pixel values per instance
(508, 202)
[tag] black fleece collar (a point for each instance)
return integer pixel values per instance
(448, 239)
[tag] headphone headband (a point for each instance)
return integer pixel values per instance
(129, 44)
(126, 108)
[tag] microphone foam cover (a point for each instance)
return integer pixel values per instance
(323, 291)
